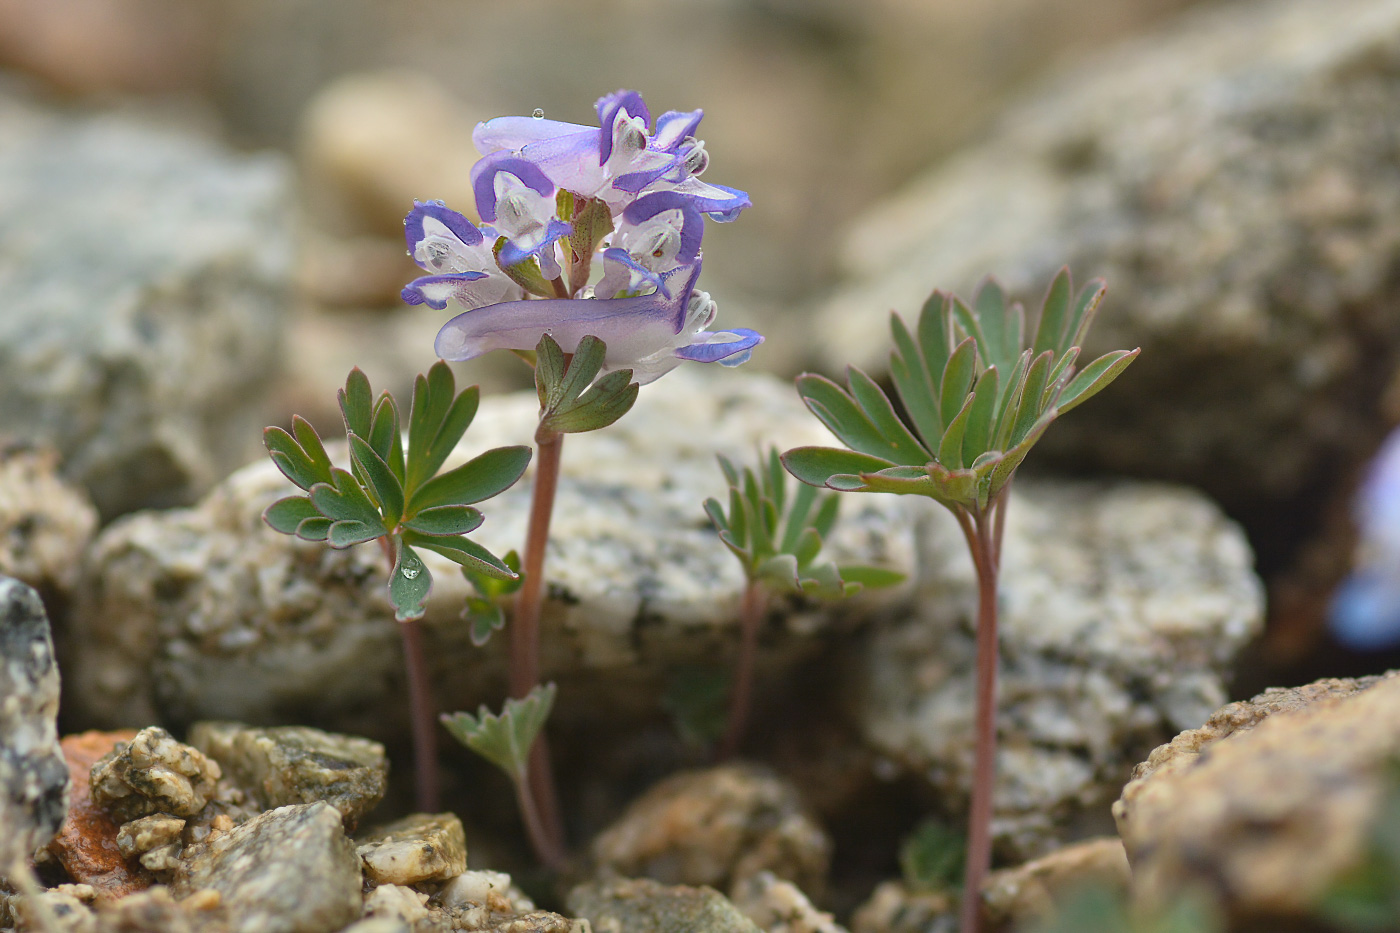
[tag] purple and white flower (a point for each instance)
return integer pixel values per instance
(645, 306)
(1365, 609)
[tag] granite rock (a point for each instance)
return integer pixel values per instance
(33, 775)
(289, 870)
(1122, 607)
(627, 905)
(779, 906)
(1232, 177)
(153, 773)
(1269, 802)
(297, 764)
(1015, 898)
(219, 616)
(418, 848)
(45, 521)
(140, 341)
(718, 827)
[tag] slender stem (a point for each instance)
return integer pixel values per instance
(740, 699)
(999, 511)
(424, 716)
(560, 289)
(981, 539)
(525, 640)
(421, 708)
(534, 826)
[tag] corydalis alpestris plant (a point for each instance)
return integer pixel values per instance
(396, 496)
(777, 537)
(977, 397)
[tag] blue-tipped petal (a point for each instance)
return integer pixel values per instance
(484, 174)
(729, 347)
(512, 133)
(513, 252)
(608, 106)
(720, 203)
(1365, 611)
(435, 290)
(673, 126)
(631, 272)
(459, 226)
(692, 224)
(632, 182)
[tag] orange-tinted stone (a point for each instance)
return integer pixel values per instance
(86, 845)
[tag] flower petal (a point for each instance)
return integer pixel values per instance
(692, 224)
(435, 290)
(519, 249)
(608, 107)
(513, 133)
(673, 126)
(623, 273)
(442, 241)
(729, 347)
(484, 174)
(721, 203)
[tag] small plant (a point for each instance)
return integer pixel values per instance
(1098, 909)
(396, 496)
(559, 202)
(933, 857)
(977, 398)
(777, 537)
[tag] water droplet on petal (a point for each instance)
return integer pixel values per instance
(538, 113)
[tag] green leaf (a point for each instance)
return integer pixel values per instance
(345, 501)
(731, 475)
(465, 552)
(432, 397)
(738, 518)
(1029, 409)
(775, 479)
(1009, 393)
(345, 534)
(382, 482)
(807, 546)
(1002, 324)
(967, 320)
(715, 511)
(480, 478)
(957, 379)
(310, 442)
(445, 520)
(839, 412)
(778, 572)
(314, 529)
(384, 434)
(877, 408)
(357, 403)
(977, 433)
(1049, 333)
(912, 383)
(294, 463)
(606, 400)
(493, 587)
(459, 417)
(285, 515)
(933, 333)
(824, 582)
(816, 465)
(482, 617)
(825, 518)
(409, 584)
(549, 372)
(802, 502)
(870, 577)
(1059, 376)
(1086, 306)
(932, 857)
(505, 740)
(950, 449)
(1094, 377)
(1006, 467)
(585, 365)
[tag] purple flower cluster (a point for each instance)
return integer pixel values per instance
(1365, 610)
(542, 189)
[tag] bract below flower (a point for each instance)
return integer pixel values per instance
(650, 334)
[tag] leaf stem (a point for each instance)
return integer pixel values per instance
(983, 532)
(422, 710)
(755, 602)
(560, 289)
(540, 839)
(525, 646)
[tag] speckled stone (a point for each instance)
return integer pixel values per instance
(290, 870)
(45, 521)
(140, 342)
(86, 845)
(717, 827)
(149, 832)
(1028, 894)
(894, 908)
(33, 776)
(626, 905)
(1267, 803)
(1121, 609)
(220, 616)
(1232, 177)
(296, 764)
(421, 847)
(778, 906)
(151, 774)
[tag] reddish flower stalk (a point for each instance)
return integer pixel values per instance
(741, 698)
(422, 710)
(538, 797)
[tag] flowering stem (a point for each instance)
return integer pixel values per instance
(422, 710)
(751, 617)
(983, 532)
(525, 647)
(560, 289)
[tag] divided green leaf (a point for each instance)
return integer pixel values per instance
(505, 740)
(571, 401)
